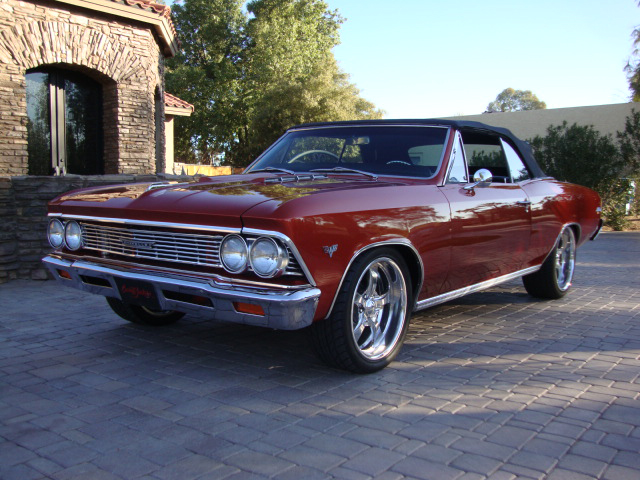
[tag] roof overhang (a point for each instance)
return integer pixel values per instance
(179, 112)
(160, 22)
(176, 106)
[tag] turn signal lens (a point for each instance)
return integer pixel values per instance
(64, 274)
(249, 308)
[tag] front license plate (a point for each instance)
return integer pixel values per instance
(138, 293)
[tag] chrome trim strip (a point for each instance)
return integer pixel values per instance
(289, 243)
(445, 297)
(457, 141)
(288, 310)
(147, 223)
(154, 270)
(361, 125)
(596, 234)
(398, 241)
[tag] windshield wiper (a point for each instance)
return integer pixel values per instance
(273, 169)
(345, 170)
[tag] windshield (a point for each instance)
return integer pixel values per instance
(380, 150)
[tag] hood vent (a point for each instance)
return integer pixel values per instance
(295, 178)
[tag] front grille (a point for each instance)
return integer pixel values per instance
(161, 245)
(189, 248)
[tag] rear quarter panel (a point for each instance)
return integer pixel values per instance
(555, 204)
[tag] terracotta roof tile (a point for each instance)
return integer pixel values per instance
(162, 10)
(173, 101)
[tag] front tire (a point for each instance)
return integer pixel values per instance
(143, 315)
(369, 321)
(553, 280)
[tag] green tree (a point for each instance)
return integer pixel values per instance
(206, 73)
(252, 76)
(293, 68)
(510, 100)
(629, 140)
(633, 65)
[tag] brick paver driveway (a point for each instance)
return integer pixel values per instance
(495, 385)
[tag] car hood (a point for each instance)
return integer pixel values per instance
(216, 201)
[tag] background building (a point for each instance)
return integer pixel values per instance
(606, 119)
(82, 86)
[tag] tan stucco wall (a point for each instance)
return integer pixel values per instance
(168, 135)
(607, 119)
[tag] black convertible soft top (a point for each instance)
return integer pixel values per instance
(523, 147)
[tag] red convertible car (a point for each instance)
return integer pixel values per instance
(346, 228)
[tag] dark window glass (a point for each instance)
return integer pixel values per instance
(414, 151)
(65, 118)
(39, 123)
(485, 151)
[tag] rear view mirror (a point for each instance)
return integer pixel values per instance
(481, 178)
(358, 141)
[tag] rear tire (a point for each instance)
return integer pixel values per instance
(553, 280)
(369, 321)
(143, 315)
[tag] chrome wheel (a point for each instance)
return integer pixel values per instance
(379, 308)
(565, 259)
(369, 321)
(554, 278)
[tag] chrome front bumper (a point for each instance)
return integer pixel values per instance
(285, 310)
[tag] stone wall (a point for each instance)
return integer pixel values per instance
(124, 58)
(23, 216)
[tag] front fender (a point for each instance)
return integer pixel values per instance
(330, 231)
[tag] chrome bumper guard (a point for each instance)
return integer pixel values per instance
(284, 310)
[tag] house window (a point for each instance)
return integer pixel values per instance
(64, 110)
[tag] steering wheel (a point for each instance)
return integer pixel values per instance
(313, 152)
(403, 162)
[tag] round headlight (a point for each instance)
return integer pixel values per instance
(233, 253)
(267, 257)
(73, 235)
(55, 233)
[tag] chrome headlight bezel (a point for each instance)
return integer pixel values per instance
(275, 255)
(241, 250)
(73, 235)
(56, 238)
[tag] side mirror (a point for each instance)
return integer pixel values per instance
(482, 178)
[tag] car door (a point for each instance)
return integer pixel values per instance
(490, 223)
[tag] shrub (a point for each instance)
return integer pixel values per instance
(580, 154)
(614, 204)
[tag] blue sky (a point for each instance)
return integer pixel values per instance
(430, 58)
